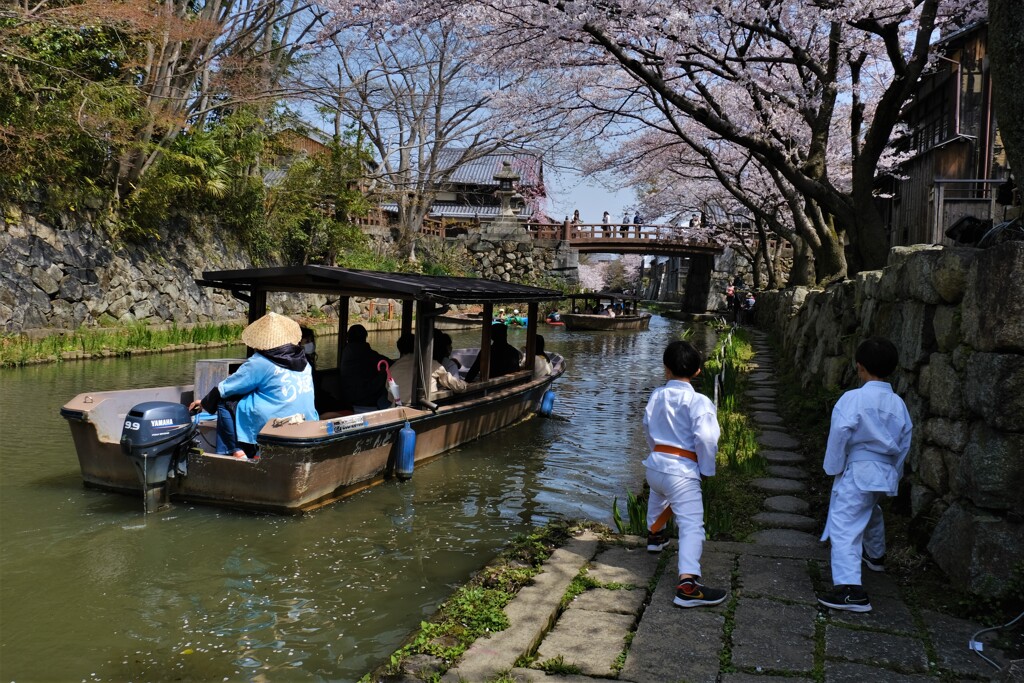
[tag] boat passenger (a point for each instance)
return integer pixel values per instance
(308, 344)
(443, 352)
(541, 364)
(554, 316)
(358, 382)
(402, 369)
(608, 311)
(505, 358)
(276, 381)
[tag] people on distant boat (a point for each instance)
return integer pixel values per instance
(505, 358)
(608, 311)
(402, 371)
(501, 316)
(554, 316)
(276, 381)
(308, 344)
(541, 363)
(358, 383)
(443, 352)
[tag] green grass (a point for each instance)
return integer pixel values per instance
(19, 349)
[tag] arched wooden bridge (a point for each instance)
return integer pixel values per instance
(598, 238)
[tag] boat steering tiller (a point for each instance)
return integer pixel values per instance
(157, 436)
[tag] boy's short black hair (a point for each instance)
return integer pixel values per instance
(878, 355)
(682, 359)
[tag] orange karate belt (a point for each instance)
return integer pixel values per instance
(663, 518)
(672, 450)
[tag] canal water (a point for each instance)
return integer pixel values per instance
(93, 590)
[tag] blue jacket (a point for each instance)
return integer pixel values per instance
(264, 391)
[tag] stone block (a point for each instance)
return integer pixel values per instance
(917, 276)
(921, 499)
(946, 328)
(777, 578)
(993, 307)
(993, 386)
(931, 468)
(853, 672)
(755, 637)
(42, 279)
(626, 566)
(590, 640)
(945, 392)
(950, 637)
(991, 470)
(916, 335)
(951, 271)
(976, 549)
(867, 647)
(951, 434)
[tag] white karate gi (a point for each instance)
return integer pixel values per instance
(679, 416)
(867, 446)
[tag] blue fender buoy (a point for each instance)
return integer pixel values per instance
(406, 452)
(547, 404)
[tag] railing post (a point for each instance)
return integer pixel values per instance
(565, 230)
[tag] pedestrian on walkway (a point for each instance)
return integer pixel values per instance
(681, 426)
(868, 443)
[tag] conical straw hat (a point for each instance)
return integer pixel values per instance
(271, 331)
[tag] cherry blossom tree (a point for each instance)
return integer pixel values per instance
(778, 78)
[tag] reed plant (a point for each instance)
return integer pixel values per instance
(20, 349)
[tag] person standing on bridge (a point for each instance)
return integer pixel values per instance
(625, 225)
(636, 223)
(606, 220)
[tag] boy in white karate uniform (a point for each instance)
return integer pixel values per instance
(682, 432)
(867, 446)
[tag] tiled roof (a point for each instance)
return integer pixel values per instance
(448, 210)
(481, 171)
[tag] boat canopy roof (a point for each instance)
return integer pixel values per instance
(614, 296)
(368, 283)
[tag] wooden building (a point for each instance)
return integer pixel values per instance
(958, 160)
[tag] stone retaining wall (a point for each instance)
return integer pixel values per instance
(957, 317)
(72, 275)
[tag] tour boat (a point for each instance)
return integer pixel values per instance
(303, 465)
(582, 315)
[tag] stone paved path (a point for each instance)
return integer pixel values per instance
(770, 630)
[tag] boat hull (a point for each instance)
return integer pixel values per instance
(583, 321)
(301, 466)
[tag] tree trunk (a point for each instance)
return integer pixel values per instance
(802, 273)
(1006, 49)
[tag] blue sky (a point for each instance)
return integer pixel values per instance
(567, 192)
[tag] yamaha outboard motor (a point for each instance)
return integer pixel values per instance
(157, 436)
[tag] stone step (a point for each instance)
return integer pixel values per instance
(787, 472)
(786, 520)
(776, 485)
(784, 537)
(767, 417)
(763, 405)
(777, 457)
(763, 394)
(777, 440)
(786, 504)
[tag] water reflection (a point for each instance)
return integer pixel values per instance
(93, 590)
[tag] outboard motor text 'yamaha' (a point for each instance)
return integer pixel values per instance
(157, 436)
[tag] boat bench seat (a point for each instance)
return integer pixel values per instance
(477, 387)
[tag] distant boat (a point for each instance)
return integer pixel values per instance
(458, 321)
(584, 315)
(305, 465)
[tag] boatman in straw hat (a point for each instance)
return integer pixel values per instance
(276, 381)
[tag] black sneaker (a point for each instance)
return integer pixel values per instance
(875, 564)
(691, 593)
(657, 542)
(849, 598)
